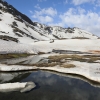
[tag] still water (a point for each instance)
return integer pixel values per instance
(50, 86)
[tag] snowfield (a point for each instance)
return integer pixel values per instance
(86, 45)
(12, 47)
(33, 37)
(84, 69)
(69, 44)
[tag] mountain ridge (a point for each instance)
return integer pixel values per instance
(20, 28)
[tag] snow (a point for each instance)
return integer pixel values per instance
(45, 46)
(88, 70)
(12, 85)
(29, 86)
(1, 5)
(22, 26)
(7, 19)
(22, 87)
(82, 68)
(69, 44)
(4, 67)
(12, 47)
(26, 60)
(27, 45)
(77, 77)
(37, 31)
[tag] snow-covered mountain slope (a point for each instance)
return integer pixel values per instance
(58, 32)
(17, 27)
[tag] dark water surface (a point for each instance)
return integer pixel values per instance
(50, 86)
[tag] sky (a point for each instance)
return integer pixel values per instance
(84, 14)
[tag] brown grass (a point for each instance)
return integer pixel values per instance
(39, 53)
(60, 57)
(68, 65)
(95, 51)
(81, 58)
(93, 59)
(9, 56)
(44, 64)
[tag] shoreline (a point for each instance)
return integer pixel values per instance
(82, 68)
(73, 71)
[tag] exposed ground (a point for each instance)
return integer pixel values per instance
(63, 60)
(9, 56)
(86, 65)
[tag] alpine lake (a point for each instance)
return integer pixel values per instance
(50, 85)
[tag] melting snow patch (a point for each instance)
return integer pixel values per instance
(22, 87)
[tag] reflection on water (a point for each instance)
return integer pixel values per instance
(28, 59)
(13, 77)
(51, 86)
(24, 60)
